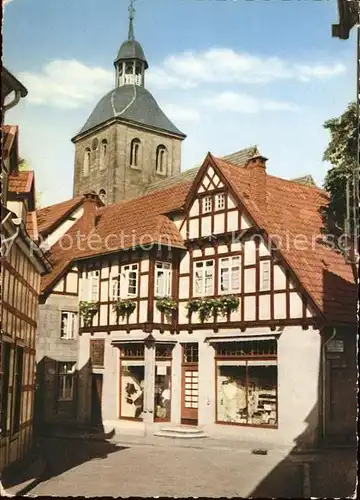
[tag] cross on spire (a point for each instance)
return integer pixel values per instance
(131, 19)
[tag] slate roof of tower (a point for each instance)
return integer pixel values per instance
(131, 49)
(130, 103)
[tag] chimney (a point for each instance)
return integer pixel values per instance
(90, 205)
(257, 177)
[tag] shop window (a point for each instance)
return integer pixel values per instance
(4, 385)
(66, 373)
(125, 285)
(220, 201)
(162, 393)
(17, 388)
(229, 275)
(207, 204)
(163, 279)
(132, 372)
(134, 153)
(68, 325)
(161, 160)
(247, 383)
(204, 278)
(264, 275)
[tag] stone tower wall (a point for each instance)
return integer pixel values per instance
(118, 178)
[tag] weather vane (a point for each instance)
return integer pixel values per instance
(131, 18)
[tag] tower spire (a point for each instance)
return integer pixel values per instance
(131, 19)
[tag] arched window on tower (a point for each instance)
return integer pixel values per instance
(102, 195)
(138, 71)
(103, 153)
(86, 166)
(161, 160)
(135, 153)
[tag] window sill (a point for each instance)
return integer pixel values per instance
(134, 167)
(161, 174)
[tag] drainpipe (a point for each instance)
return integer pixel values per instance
(324, 382)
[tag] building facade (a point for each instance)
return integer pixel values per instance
(198, 306)
(127, 142)
(22, 264)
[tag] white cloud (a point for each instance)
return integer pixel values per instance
(244, 103)
(190, 69)
(66, 84)
(180, 113)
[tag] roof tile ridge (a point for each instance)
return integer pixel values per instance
(81, 196)
(316, 188)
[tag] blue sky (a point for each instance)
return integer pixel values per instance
(228, 73)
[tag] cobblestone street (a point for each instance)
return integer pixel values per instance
(83, 468)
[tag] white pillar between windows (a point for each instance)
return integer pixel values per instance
(176, 384)
(207, 398)
(149, 383)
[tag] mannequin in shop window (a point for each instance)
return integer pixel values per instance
(233, 394)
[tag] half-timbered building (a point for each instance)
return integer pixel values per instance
(212, 300)
(22, 263)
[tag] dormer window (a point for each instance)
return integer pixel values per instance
(86, 166)
(161, 160)
(103, 153)
(135, 153)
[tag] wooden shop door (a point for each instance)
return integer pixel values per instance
(190, 384)
(96, 398)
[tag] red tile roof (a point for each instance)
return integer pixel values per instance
(120, 226)
(292, 209)
(293, 215)
(8, 135)
(21, 182)
(49, 217)
(31, 225)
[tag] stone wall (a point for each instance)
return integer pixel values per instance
(118, 178)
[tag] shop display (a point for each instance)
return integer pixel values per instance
(246, 394)
(132, 390)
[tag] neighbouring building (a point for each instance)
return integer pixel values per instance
(127, 142)
(259, 339)
(22, 264)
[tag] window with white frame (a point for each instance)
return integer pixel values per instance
(90, 287)
(66, 372)
(125, 285)
(230, 275)
(265, 275)
(68, 325)
(207, 204)
(163, 279)
(220, 201)
(204, 278)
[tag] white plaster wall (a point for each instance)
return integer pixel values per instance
(194, 210)
(249, 253)
(194, 228)
(219, 223)
(232, 221)
(280, 305)
(206, 225)
(72, 283)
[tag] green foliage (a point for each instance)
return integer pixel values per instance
(87, 311)
(342, 154)
(124, 307)
(208, 307)
(166, 305)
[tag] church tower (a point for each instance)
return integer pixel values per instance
(127, 142)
